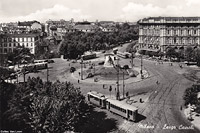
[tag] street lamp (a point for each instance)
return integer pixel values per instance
(132, 59)
(94, 67)
(141, 68)
(81, 68)
(47, 72)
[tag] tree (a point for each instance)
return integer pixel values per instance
(5, 73)
(6, 93)
(190, 95)
(189, 54)
(171, 52)
(197, 56)
(47, 107)
(20, 55)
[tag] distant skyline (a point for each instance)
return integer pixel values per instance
(92, 10)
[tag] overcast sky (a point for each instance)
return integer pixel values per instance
(92, 10)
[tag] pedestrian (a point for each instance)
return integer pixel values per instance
(181, 107)
(157, 82)
(140, 100)
(79, 73)
(78, 81)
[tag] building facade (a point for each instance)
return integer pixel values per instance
(8, 42)
(30, 25)
(160, 33)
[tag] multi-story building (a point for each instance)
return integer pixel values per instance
(8, 42)
(159, 33)
(30, 25)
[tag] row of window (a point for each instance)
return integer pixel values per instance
(9, 50)
(149, 46)
(182, 41)
(5, 50)
(159, 26)
(16, 44)
(118, 108)
(151, 32)
(182, 32)
(169, 32)
(16, 39)
(95, 98)
(150, 39)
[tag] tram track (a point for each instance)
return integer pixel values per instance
(161, 112)
(162, 106)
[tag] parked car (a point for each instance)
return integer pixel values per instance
(101, 63)
(72, 69)
(73, 61)
(49, 61)
(125, 67)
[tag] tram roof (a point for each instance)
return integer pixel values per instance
(97, 94)
(122, 104)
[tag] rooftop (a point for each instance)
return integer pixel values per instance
(170, 20)
(27, 23)
(122, 104)
(21, 35)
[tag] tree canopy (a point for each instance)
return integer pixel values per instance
(20, 55)
(76, 43)
(46, 107)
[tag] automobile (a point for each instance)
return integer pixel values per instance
(103, 51)
(125, 67)
(73, 61)
(101, 63)
(72, 69)
(49, 61)
(165, 59)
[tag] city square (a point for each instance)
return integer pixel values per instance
(161, 91)
(115, 66)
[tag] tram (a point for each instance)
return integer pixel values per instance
(114, 106)
(123, 55)
(89, 56)
(35, 66)
(97, 99)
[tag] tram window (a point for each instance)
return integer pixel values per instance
(96, 99)
(130, 112)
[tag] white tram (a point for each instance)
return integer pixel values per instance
(97, 98)
(123, 55)
(125, 110)
(118, 107)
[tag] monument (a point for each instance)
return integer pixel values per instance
(109, 60)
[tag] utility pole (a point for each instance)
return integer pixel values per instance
(123, 84)
(17, 78)
(47, 72)
(118, 94)
(141, 68)
(81, 69)
(132, 59)
(24, 73)
(94, 68)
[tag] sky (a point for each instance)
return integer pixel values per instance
(92, 10)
